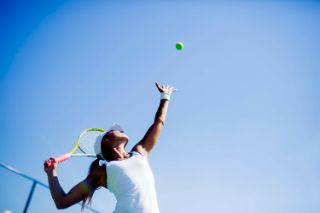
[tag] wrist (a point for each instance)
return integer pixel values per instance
(165, 96)
(52, 174)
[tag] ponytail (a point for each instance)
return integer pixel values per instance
(93, 182)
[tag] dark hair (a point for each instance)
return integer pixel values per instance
(106, 152)
(93, 182)
(92, 177)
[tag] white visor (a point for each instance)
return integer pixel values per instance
(97, 144)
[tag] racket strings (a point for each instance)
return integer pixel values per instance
(87, 140)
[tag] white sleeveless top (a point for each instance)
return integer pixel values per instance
(132, 183)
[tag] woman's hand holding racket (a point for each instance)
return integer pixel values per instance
(50, 166)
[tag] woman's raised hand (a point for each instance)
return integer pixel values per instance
(165, 88)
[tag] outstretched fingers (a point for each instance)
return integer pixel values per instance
(165, 88)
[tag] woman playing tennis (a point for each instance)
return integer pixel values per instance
(126, 174)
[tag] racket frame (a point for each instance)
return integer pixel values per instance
(66, 156)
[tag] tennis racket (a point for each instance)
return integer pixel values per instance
(84, 143)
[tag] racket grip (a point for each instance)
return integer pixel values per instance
(58, 159)
(63, 157)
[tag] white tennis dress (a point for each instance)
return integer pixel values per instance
(132, 183)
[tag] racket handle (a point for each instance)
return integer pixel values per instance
(58, 159)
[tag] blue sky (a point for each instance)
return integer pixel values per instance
(243, 130)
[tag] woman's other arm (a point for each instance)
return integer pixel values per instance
(79, 192)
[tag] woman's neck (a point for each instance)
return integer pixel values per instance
(119, 153)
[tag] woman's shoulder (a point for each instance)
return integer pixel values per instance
(135, 153)
(138, 154)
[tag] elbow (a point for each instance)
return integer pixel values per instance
(62, 205)
(59, 206)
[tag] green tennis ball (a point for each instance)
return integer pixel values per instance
(179, 46)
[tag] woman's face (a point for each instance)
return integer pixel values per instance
(115, 138)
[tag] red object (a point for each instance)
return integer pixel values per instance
(59, 159)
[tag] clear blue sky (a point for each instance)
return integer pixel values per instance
(243, 131)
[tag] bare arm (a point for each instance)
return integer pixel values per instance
(153, 133)
(64, 200)
(76, 194)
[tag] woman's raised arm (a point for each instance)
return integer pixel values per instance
(153, 133)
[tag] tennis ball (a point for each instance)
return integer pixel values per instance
(179, 45)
